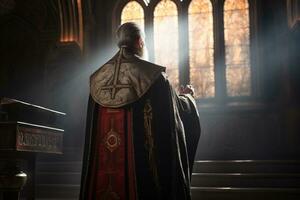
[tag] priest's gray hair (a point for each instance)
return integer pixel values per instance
(128, 33)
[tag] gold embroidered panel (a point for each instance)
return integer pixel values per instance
(201, 48)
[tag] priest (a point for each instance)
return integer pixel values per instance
(141, 136)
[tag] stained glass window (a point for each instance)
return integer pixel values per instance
(201, 50)
(166, 38)
(236, 30)
(133, 12)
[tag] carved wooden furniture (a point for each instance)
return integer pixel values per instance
(25, 130)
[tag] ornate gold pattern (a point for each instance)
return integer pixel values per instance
(115, 86)
(123, 80)
(112, 139)
(149, 141)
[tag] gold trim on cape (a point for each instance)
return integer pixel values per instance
(123, 80)
(149, 141)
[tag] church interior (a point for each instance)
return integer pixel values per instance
(241, 56)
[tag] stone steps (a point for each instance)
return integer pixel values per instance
(247, 166)
(277, 180)
(72, 166)
(234, 193)
(211, 180)
(246, 180)
(57, 191)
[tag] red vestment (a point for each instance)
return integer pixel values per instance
(113, 174)
(141, 137)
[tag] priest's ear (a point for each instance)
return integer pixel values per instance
(140, 43)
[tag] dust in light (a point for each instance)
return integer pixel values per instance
(201, 43)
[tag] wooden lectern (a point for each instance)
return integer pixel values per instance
(25, 130)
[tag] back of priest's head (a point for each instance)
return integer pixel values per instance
(128, 34)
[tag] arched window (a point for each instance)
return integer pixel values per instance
(237, 48)
(201, 48)
(166, 39)
(133, 12)
(202, 42)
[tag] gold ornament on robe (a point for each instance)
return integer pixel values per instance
(123, 80)
(149, 141)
